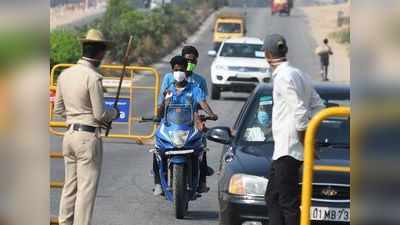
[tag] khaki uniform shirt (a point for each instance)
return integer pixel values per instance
(80, 96)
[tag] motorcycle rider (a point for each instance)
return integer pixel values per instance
(192, 55)
(180, 92)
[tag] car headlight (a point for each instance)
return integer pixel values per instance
(243, 184)
(179, 137)
(264, 70)
(221, 67)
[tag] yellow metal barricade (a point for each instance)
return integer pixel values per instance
(308, 167)
(128, 83)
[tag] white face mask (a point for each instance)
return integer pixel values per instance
(179, 76)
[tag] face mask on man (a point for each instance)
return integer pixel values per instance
(262, 117)
(179, 76)
(191, 67)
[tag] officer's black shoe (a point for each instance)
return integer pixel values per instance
(210, 171)
(203, 188)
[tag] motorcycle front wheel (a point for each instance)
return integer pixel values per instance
(179, 191)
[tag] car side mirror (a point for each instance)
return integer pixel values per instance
(212, 53)
(220, 135)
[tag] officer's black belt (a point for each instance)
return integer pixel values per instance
(82, 127)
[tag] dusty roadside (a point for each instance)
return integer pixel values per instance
(61, 16)
(322, 20)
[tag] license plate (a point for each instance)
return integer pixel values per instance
(330, 214)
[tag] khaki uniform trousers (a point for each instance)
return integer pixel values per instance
(82, 156)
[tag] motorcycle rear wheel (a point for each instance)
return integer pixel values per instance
(179, 191)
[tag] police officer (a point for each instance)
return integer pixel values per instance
(80, 98)
(295, 101)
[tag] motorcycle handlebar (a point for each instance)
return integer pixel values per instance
(205, 118)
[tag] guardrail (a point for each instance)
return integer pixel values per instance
(309, 167)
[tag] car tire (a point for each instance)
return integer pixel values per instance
(215, 92)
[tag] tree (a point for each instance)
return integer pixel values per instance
(64, 46)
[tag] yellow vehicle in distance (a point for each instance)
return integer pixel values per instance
(228, 25)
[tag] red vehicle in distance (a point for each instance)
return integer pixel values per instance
(281, 6)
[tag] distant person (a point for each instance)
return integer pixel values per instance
(294, 102)
(80, 98)
(324, 51)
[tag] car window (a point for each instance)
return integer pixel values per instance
(255, 129)
(242, 112)
(335, 130)
(229, 28)
(241, 50)
(257, 125)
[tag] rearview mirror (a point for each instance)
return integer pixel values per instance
(220, 135)
(212, 53)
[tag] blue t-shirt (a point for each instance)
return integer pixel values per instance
(190, 95)
(195, 78)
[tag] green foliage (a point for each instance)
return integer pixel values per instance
(155, 32)
(342, 36)
(148, 28)
(64, 46)
(15, 47)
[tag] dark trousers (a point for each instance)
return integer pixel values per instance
(324, 69)
(203, 170)
(282, 195)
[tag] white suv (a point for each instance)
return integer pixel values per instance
(239, 66)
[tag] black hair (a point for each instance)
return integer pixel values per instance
(190, 50)
(91, 50)
(178, 60)
(326, 40)
(282, 50)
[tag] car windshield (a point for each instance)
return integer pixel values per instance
(179, 114)
(242, 50)
(229, 28)
(257, 126)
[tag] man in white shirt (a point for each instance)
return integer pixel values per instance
(295, 101)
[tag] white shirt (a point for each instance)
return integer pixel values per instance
(295, 102)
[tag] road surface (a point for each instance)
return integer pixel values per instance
(125, 190)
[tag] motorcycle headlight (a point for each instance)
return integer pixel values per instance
(243, 184)
(179, 137)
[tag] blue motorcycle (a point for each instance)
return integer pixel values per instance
(179, 150)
